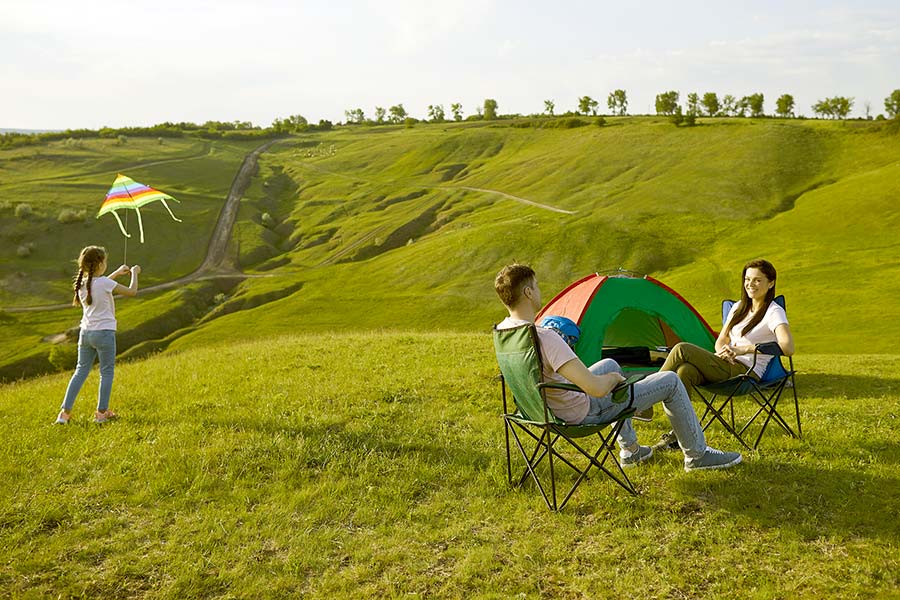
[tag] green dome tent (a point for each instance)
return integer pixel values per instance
(620, 313)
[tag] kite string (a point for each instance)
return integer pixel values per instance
(125, 258)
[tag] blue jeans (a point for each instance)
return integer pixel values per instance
(664, 387)
(93, 344)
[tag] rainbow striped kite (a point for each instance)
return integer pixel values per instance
(127, 193)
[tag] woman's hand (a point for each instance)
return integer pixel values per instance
(136, 270)
(727, 353)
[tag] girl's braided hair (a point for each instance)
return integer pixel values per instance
(88, 261)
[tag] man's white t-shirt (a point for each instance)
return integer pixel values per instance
(763, 332)
(101, 312)
(568, 405)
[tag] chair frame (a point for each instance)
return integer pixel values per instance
(546, 433)
(766, 393)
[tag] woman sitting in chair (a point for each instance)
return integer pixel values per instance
(756, 319)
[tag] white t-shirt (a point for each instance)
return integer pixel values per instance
(762, 333)
(568, 405)
(101, 313)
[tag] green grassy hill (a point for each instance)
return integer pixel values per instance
(388, 230)
(327, 426)
(405, 227)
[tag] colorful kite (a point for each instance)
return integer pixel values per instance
(126, 193)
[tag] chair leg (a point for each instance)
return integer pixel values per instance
(717, 416)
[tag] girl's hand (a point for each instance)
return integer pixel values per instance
(136, 270)
(120, 271)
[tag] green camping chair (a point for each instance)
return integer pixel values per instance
(766, 392)
(519, 358)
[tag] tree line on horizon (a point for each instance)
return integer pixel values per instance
(666, 104)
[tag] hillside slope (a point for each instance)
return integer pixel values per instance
(405, 227)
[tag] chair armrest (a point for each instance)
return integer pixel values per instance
(561, 386)
(769, 348)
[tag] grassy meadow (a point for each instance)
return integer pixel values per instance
(372, 465)
(329, 426)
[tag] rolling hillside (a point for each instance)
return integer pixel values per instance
(403, 228)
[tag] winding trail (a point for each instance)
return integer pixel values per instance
(217, 264)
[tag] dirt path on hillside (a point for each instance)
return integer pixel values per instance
(449, 187)
(217, 264)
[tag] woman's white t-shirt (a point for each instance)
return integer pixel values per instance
(101, 312)
(763, 332)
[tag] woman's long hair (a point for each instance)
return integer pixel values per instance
(88, 261)
(745, 304)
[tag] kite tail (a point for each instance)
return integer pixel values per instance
(140, 223)
(122, 227)
(169, 209)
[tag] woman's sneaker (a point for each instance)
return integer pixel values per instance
(63, 418)
(632, 460)
(104, 416)
(712, 459)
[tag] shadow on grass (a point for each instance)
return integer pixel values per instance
(851, 387)
(809, 501)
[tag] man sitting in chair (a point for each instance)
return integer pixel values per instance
(518, 289)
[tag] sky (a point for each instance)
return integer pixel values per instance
(95, 63)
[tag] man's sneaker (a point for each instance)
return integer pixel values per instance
(642, 454)
(712, 459)
(668, 441)
(63, 418)
(104, 416)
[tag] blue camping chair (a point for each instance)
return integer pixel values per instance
(766, 392)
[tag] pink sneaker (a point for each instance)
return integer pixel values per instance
(103, 417)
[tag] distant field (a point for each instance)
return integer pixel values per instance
(372, 228)
(372, 465)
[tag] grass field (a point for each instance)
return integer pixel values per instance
(372, 465)
(329, 426)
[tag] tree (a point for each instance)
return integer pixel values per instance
(836, 108)
(729, 105)
(892, 104)
(841, 106)
(380, 114)
(436, 112)
(666, 103)
(755, 103)
(677, 116)
(490, 109)
(711, 104)
(617, 101)
(355, 116)
(586, 105)
(784, 106)
(292, 124)
(549, 107)
(398, 113)
(693, 105)
(456, 109)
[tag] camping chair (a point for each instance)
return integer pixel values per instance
(519, 358)
(766, 391)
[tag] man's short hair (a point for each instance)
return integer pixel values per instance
(510, 282)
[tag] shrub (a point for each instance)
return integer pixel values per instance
(122, 140)
(599, 121)
(25, 250)
(69, 215)
(23, 211)
(63, 356)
